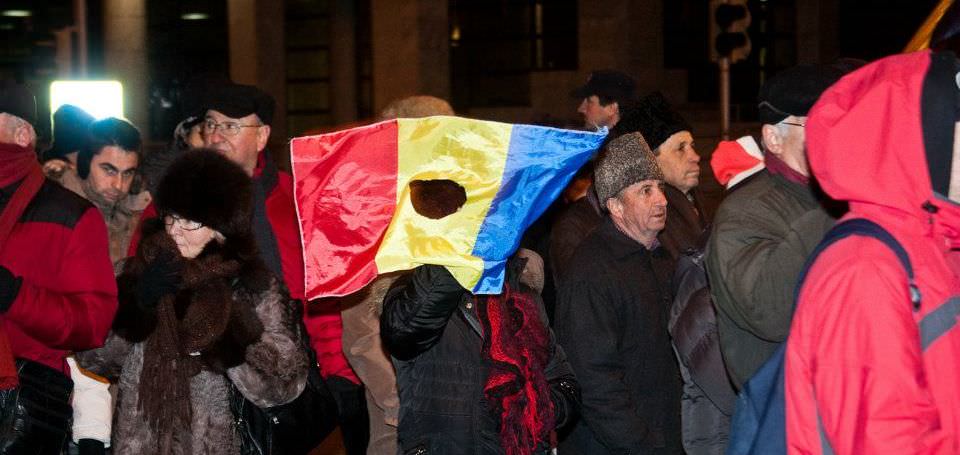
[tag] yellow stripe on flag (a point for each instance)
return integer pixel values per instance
(470, 152)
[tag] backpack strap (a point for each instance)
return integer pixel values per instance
(866, 228)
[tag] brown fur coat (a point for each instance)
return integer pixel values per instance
(272, 371)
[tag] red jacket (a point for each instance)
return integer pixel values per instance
(68, 295)
(865, 373)
(323, 322)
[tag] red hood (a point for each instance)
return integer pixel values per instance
(866, 139)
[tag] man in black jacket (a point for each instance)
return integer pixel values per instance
(472, 376)
(612, 314)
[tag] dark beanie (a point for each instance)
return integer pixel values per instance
(17, 100)
(624, 161)
(235, 100)
(70, 125)
(794, 91)
(202, 185)
(655, 119)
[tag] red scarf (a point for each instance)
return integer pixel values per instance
(16, 164)
(779, 167)
(517, 346)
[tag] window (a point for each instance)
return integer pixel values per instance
(494, 46)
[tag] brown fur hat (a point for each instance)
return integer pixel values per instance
(204, 186)
(624, 161)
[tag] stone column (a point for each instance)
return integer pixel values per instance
(411, 53)
(343, 61)
(258, 55)
(125, 54)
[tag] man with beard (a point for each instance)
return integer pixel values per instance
(106, 168)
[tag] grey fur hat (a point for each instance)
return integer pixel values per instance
(625, 160)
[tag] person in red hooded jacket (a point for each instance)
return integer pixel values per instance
(866, 370)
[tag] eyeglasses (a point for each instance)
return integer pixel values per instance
(210, 126)
(801, 125)
(185, 224)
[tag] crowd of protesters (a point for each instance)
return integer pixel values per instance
(150, 297)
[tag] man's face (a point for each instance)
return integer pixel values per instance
(679, 161)
(112, 171)
(787, 141)
(640, 211)
(596, 115)
(239, 139)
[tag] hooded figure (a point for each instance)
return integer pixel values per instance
(867, 371)
(198, 311)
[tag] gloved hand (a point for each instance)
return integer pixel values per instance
(435, 282)
(160, 277)
(90, 447)
(9, 288)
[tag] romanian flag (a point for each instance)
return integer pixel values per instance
(358, 195)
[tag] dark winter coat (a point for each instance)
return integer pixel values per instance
(570, 228)
(436, 346)
(612, 322)
(686, 222)
(271, 371)
(764, 231)
(708, 395)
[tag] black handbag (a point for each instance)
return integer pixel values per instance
(290, 429)
(36, 416)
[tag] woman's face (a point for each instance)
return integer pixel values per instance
(190, 236)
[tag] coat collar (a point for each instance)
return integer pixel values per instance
(619, 244)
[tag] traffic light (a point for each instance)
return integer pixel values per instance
(729, 20)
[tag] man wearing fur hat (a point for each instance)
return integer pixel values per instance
(671, 138)
(57, 290)
(611, 318)
(767, 226)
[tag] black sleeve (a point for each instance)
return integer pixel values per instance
(417, 309)
(564, 388)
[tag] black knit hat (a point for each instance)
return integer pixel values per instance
(235, 100)
(624, 161)
(794, 91)
(203, 185)
(655, 119)
(608, 84)
(17, 100)
(70, 125)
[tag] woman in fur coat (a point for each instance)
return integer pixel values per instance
(198, 312)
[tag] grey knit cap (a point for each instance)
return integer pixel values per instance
(625, 160)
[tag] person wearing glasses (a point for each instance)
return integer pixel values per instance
(767, 226)
(199, 313)
(237, 124)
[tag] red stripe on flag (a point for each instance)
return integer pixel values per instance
(346, 190)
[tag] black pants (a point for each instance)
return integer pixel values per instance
(352, 414)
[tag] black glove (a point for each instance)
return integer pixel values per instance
(90, 447)
(160, 277)
(9, 288)
(435, 282)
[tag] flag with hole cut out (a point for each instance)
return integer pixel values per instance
(438, 190)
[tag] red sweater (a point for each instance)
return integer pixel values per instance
(68, 295)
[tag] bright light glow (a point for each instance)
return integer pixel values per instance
(17, 13)
(194, 16)
(101, 99)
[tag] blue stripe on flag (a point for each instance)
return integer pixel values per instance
(540, 163)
